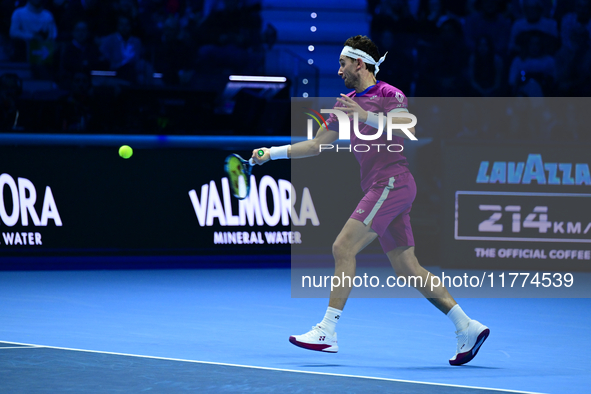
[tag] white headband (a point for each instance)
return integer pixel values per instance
(358, 53)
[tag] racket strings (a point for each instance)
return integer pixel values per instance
(238, 176)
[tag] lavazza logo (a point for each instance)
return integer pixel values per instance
(20, 197)
(345, 130)
(256, 210)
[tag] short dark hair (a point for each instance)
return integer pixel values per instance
(365, 44)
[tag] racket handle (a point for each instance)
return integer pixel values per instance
(251, 162)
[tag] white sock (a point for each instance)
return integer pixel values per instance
(458, 317)
(330, 320)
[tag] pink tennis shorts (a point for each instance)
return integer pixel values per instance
(386, 205)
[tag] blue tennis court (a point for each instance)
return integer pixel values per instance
(156, 235)
(226, 330)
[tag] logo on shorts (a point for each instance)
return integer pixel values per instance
(360, 211)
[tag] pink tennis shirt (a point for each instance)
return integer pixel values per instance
(377, 163)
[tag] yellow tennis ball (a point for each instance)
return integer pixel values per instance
(125, 151)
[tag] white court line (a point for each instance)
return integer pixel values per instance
(277, 369)
(18, 347)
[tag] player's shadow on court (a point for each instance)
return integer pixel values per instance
(443, 367)
(433, 368)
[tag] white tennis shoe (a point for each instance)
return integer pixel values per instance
(470, 339)
(316, 339)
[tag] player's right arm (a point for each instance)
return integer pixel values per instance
(299, 150)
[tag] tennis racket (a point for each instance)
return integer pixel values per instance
(239, 171)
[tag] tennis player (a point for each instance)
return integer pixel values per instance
(383, 212)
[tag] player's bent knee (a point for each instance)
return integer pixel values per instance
(340, 249)
(407, 267)
(411, 267)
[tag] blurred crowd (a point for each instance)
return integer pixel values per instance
(536, 54)
(134, 38)
(485, 48)
(165, 43)
(437, 48)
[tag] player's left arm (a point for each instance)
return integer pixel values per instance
(350, 106)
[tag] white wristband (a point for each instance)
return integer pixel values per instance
(279, 152)
(373, 119)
